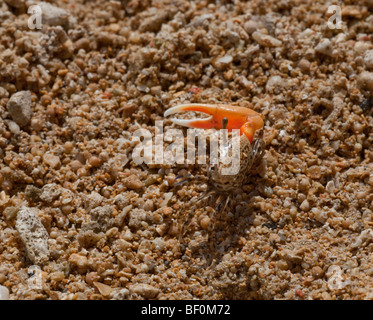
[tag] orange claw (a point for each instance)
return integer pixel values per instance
(245, 119)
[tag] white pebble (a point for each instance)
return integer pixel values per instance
(365, 80)
(330, 186)
(266, 40)
(226, 59)
(274, 84)
(368, 59)
(167, 198)
(13, 127)
(251, 26)
(52, 160)
(20, 107)
(305, 206)
(223, 62)
(4, 293)
(33, 235)
(320, 215)
(325, 47)
(145, 290)
(358, 147)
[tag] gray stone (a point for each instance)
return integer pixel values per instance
(33, 235)
(53, 15)
(20, 107)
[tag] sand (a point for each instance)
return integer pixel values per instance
(79, 219)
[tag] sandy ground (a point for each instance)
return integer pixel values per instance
(80, 220)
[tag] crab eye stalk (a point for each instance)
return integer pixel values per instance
(225, 122)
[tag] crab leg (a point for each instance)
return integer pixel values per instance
(245, 119)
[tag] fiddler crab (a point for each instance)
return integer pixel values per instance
(226, 117)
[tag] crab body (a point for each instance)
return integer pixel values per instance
(226, 183)
(227, 117)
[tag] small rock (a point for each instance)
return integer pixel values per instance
(121, 201)
(365, 80)
(364, 238)
(330, 187)
(45, 100)
(52, 160)
(251, 26)
(95, 161)
(91, 277)
(199, 20)
(325, 47)
(154, 22)
(57, 276)
(161, 229)
(358, 147)
(120, 294)
(274, 84)
(68, 147)
(305, 206)
(16, 3)
(361, 47)
(334, 274)
(119, 219)
(352, 12)
(19, 107)
(174, 229)
(32, 193)
(304, 65)
(93, 200)
(304, 184)
(133, 182)
(368, 59)
(3, 93)
(282, 265)
(13, 127)
(145, 290)
(104, 289)
(167, 211)
(10, 213)
(75, 165)
(266, 40)
(53, 15)
(82, 43)
(36, 124)
(167, 197)
(314, 172)
(50, 192)
(274, 238)
(127, 109)
(204, 222)
(33, 235)
(4, 293)
(223, 62)
(317, 272)
(79, 261)
(136, 217)
(102, 215)
(320, 215)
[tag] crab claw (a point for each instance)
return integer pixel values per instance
(242, 118)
